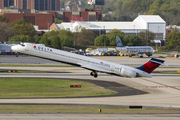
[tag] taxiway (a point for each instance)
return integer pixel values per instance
(161, 91)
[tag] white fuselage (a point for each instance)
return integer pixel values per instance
(93, 64)
(136, 50)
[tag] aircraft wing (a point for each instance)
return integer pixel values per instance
(95, 69)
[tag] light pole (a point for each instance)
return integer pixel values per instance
(147, 37)
(159, 35)
(104, 39)
(134, 29)
(158, 32)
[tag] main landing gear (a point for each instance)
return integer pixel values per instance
(94, 73)
(130, 55)
(17, 54)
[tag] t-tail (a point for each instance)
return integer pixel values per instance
(118, 42)
(151, 65)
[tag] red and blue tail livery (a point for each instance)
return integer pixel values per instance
(151, 65)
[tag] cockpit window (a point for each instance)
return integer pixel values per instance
(22, 44)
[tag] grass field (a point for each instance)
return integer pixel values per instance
(78, 109)
(170, 72)
(28, 88)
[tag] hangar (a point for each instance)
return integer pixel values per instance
(153, 23)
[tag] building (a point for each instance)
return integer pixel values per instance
(42, 20)
(40, 5)
(168, 31)
(98, 14)
(153, 23)
(170, 28)
(6, 3)
(46, 18)
(62, 26)
(85, 15)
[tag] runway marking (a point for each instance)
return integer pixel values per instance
(162, 86)
(149, 87)
(174, 87)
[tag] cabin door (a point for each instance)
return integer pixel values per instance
(112, 68)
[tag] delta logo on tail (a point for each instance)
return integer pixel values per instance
(151, 65)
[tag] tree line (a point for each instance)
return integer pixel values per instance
(142, 39)
(20, 30)
(128, 10)
(173, 40)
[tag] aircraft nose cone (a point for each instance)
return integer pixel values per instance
(15, 48)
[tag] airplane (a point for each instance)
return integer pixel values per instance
(92, 64)
(132, 51)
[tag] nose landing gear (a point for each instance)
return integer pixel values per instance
(94, 73)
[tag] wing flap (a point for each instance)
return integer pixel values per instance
(95, 69)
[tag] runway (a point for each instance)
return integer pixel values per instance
(161, 91)
(89, 116)
(132, 61)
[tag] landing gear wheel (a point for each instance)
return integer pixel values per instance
(17, 54)
(91, 74)
(95, 75)
(141, 56)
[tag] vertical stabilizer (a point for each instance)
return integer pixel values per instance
(118, 42)
(151, 65)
